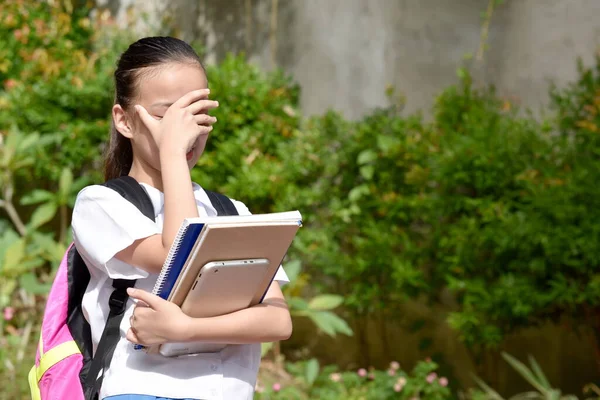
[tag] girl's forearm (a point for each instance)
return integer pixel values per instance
(269, 321)
(179, 195)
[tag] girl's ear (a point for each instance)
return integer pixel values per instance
(122, 122)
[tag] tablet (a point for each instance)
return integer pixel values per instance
(221, 287)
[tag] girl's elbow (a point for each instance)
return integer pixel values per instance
(285, 327)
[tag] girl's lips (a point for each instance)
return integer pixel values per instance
(189, 155)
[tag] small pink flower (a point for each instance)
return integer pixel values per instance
(391, 372)
(371, 375)
(398, 387)
(276, 387)
(9, 313)
(362, 372)
(443, 381)
(395, 365)
(401, 381)
(335, 377)
(9, 84)
(431, 377)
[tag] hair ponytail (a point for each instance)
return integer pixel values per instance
(118, 156)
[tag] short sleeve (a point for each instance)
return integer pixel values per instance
(104, 223)
(280, 275)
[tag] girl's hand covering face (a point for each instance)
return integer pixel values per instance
(182, 124)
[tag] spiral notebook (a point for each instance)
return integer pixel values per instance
(202, 240)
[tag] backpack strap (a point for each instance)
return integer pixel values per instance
(131, 190)
(222, 203)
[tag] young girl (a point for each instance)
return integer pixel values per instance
(160, 128)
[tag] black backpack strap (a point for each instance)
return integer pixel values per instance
(222, 203)
(131, 190)
(109, 339)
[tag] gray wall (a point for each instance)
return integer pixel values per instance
(345, 52)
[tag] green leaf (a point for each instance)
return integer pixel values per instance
(367, 172)
(6, 289)
(36, 196)
(325, 302)
(329, 323)
(30, 265)
(13, 256)
(537, 370)
(323, 321)
(492, 394)
(366, 156)
(387, 143)
(42, 214)
(64, 185)
(311, 371)
(525, 372)
(297, 304)
(358, 192)
(6, 240)
(28, 141)
(30, 283)
(340, 325)
(292, 269)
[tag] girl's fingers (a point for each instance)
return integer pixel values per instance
(150, 299)
(146, 118)
(132, 337)
(204, 119)
(191, 97)
(204, 130)
(201, 106)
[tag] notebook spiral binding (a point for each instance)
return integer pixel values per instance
(158, 286)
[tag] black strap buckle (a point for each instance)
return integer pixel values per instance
(118, 300)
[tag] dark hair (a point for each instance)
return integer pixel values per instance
(146, 52)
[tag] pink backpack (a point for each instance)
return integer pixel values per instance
(64, 367)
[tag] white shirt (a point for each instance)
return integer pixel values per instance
(104, 223)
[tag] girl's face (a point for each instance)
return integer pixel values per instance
(157, 90)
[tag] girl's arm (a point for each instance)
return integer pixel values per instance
(162, 321)
(175, 134)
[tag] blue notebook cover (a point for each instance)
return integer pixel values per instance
(183, 250)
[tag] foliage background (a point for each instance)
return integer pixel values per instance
(482, 204)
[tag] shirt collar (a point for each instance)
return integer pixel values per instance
(158, 199)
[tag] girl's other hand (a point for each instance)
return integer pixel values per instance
(182, 124)
(156, 321)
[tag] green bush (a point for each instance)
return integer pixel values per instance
(517, 211)
(357, 185)
(56, 73)
(491, 167)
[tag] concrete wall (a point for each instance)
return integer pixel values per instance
(345, 52)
